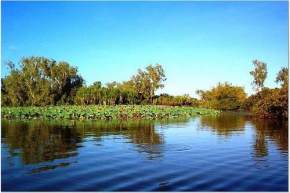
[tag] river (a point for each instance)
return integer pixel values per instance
(229, 152)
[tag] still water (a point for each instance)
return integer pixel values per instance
(229, 152)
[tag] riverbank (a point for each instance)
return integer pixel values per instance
(103, 112)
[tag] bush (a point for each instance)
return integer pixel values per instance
(184, 100)
(269, 103)
(223, 97)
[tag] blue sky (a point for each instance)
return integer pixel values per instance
(198, 43)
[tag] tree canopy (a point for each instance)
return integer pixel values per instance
(224, 96)
(40, 81)
(259, 74)
(282, 77)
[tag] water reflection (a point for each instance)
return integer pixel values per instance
(225, 124)
(38, 141)
(124, 155)
(49, 167)
(41, 141)
(228, 124)
(140, 133)
(270, 130)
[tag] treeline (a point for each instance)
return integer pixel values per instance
(265, 102)
(40, 81)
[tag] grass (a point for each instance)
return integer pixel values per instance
(73, 112)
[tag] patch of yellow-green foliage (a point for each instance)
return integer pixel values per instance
(103, 112)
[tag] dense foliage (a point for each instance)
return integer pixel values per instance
(140, 89)
(271, 103)
(103, 112)
(168, 100)
(224, 96)
(111, 94)
(40, 81)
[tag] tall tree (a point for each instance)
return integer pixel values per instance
(259, 74)
(13, 91)
(40, 81)
(148, 81)
(282, 77)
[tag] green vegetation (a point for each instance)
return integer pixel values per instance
(103, 112)
(224, 97)
(168, 100)
(267, 102)
(39, 81)
(260, 74)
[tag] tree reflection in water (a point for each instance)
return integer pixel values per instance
(140, 133)
(225, 124)
(272, 130)
(228, 124)
(40, 141)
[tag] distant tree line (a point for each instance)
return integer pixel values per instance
(40, 81)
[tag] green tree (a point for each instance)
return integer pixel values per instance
(224, 96)
(282, 77)
(168, 100)
(40, 81)
(269, 102)
(12, 87)
(147, 82)
(259, 74)
(128, 93)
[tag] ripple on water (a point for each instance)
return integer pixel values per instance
(147, 158)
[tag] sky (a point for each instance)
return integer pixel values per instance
(198, 43)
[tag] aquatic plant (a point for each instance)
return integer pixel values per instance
(103, 112)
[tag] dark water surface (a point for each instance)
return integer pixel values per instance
(223, 153)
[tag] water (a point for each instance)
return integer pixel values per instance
(230, 152)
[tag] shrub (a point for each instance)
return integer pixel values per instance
(223, 97)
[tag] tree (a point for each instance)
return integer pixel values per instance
(224, 96)
(40, 81)
(36, 80)
(65, 81)
(13, 91)
(147, 82)
(129, 94)
(259, 74)
(184, 100)
(282, 77)
(269, 102)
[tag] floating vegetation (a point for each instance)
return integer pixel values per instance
(73, 112)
